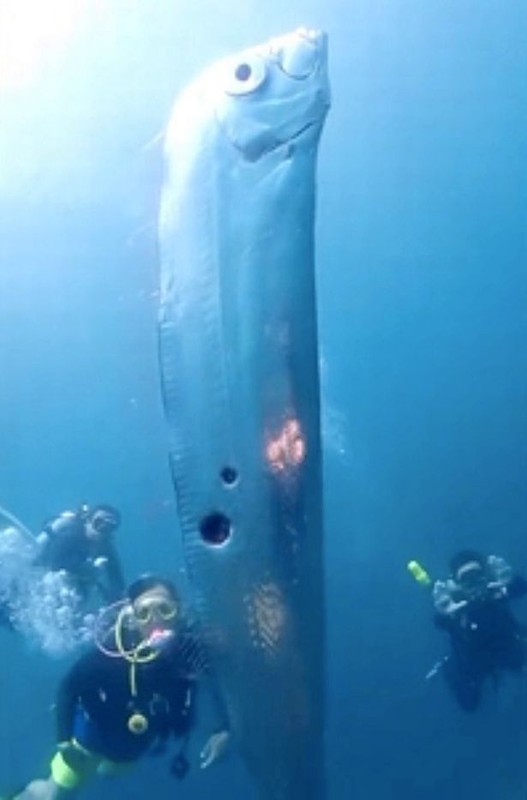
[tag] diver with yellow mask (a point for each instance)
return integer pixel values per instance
(129, 693)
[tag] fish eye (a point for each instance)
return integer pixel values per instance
(243, 72)
(246, 75)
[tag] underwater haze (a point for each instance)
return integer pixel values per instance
(422, 292)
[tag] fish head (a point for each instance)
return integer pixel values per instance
(272, 94)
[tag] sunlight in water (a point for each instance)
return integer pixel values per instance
(31, 30)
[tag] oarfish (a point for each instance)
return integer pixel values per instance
(239, 366)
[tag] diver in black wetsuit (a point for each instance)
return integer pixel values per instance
(50, 582)
(80, 544)
(485, 637)
(128, 695)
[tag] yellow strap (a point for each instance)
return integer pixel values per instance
(63, 775)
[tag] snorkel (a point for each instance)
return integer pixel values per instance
(139, 629)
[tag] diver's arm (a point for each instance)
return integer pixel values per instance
(41, 541)
(46, 549)
(182, 699)
(51, 541)
(218, 742)
(110, 580)
(190, 659)
(213, 749)
(185, 719)
(43, 790)
(193, 652)
(115, 575)
(218, 704)
(444, 595)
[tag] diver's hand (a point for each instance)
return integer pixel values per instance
(500, 570)
(453, 608)
(214, 749)
(496, 590)
(444, 602)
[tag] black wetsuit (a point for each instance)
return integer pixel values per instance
(485, 638)
(96, 701)
(68, 548)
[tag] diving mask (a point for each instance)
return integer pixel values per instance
(155, 610)
(471, 578)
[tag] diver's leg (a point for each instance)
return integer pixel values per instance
(71, 767)
(44, 790)
(465, 687)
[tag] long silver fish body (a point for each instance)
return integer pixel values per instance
(239, 367)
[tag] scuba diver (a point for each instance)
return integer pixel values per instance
(51, 584)
(80, 544)
(128, 694)
(472, 606)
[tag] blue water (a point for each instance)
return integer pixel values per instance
(422, 251)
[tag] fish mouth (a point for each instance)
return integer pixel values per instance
(258, 150)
